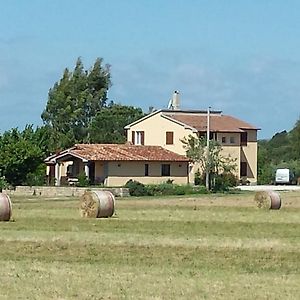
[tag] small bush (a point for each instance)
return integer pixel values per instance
(181, 190)
(163, 189)
(169, 181)
(82, 180)
(198, 179)
(200, 189)
(3, 183)
(136, 188)
(223, 182)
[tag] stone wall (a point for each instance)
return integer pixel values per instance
(58, 191)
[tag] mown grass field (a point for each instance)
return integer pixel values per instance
(201, 247)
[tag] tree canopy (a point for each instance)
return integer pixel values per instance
(74, 101)
(219, 167)
(22, 154)
(108, 125)
(281, 151)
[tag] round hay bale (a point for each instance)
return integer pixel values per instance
(97, 204)
(267, 199)
(5, 207)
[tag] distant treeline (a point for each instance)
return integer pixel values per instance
(281, 151)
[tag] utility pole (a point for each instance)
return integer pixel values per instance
(207, 149)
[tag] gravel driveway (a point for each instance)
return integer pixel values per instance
(269, 187)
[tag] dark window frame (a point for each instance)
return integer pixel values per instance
(146, 169)
(243, 169)
(165, 170)
(244, 138)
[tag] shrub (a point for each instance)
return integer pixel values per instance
(82, 180)
(163, 189)
(169, 181)
(200, 189)
(198, 179)
(3, 183)
(182, 189)
(224, 181)
(136, 188)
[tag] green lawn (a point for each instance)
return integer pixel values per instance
(201, 247)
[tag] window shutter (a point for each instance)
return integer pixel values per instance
(169, 137)
(133, 137)
(244, 138)
(142, 137)
(165, 170)
(146, 169)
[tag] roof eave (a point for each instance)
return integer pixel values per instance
(180, 123)
(142, 119)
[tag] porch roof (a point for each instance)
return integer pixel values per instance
(118, 152)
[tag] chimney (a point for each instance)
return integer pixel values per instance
(174, 102)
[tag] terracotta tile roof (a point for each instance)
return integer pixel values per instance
(218, 122)
(122, 152)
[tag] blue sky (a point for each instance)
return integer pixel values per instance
(238, 56)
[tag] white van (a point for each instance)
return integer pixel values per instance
(283, 176)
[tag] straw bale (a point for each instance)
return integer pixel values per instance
(89, 205)
(267, 200)
(5, 207)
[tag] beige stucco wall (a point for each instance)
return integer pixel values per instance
(232, 150)
(249, 153)
(155, 129)
(63, 167)
(120, 172)
(242, 153)
(156, 126)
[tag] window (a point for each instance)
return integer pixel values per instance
(243, 171)
(244, 138)
(138, 137)
(146, 169)
(165, 170)
(213, 136)
(223, 139)
(169, 138)
(202, 135)
(232, 140)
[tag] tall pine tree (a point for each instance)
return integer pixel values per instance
(74, 101)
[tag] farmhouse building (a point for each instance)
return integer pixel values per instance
(114, 164)
(167, 127)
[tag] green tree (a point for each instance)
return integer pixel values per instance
(73, 102)
(22, 153)
(295, 141)
(279, 147)
(281, 151)
(265, 167)
(108, 125)
(219, 167)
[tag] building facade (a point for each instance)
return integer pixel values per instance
(114, 165)
(167, 128)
